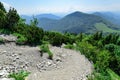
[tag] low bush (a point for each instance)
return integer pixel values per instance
(5, 31)
(69, 46)
(1, 40)
(21, 75)
(20, 38)
(45, 48)
(113, 75)
(99, 76)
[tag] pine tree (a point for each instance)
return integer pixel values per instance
(2, 7)
(2, 19)
(12, 18)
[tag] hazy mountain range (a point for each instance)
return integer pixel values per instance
(112, 17)
(77, 22)
(49, 16)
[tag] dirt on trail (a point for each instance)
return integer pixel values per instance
(66, 64)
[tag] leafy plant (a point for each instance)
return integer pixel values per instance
(1, 40)
(113, 75)
(99, 76)
(69, 46)
(45, 48)
(21, 39)
(21, 75)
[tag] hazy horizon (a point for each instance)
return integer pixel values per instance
(33, 7)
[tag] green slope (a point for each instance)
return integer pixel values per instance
(75, 23)
(104, 28)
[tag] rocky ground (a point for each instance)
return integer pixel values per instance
(66, 64)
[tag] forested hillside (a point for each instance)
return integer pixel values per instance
(112, 17)
(75, 23)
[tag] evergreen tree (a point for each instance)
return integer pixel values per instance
(2, 19)
(34, 22)
(2, 7)
(12, 18)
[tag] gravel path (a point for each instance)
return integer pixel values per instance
(66, 64)
(75, 67)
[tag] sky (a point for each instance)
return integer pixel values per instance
(61, 6)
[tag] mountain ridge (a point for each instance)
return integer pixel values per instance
(75, 22)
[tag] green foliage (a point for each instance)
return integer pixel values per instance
(113, 75)
(110, 47)
(102, 60)
(79, 37)
(69, 46)
(12, 18)
(34, 35)
(56, 39)
(103, 55)
(97, 36)
(115, 60)
(111, 38)
(5, 31)
(2, 18)
(1, 40)
(88, 50)
(45, 48)
(99, 76)
(103, 27)
(2, 7)
(21, 75)
(102, 50)
(21, 39)
(78, 22)
(34, 22)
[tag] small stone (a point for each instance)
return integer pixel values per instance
(17, 57)
(3, 73)
(19, 53)
(49, 63)
(58, 59)
(4, 52)
(14, 60)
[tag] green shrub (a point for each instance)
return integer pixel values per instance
(87, 49)
(21, 75)
(113, 75)
(45, 48)
(99, 57)
(102, 60)
(99, 76)
(110, 47)
(33, 34)
(69, 46)
(79, 37)
(1, 40)
(21, 39)
(115, 60)
(57, 39)
(5, 31)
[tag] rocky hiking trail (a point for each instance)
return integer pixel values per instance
(66, 64)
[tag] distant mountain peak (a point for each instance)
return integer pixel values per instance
(50, 16)
(77, 14)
